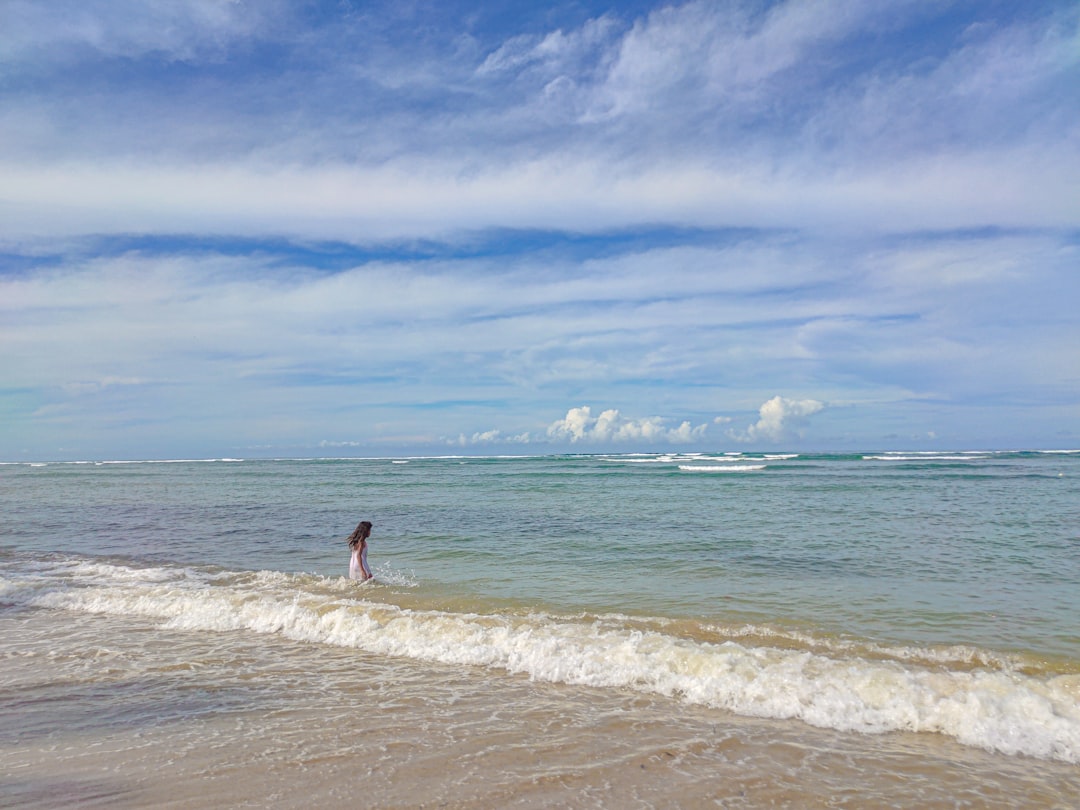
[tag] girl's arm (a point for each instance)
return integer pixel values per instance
(363, 560)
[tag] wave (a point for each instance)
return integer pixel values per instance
(980, 701)
(173, 461)
(928, 457)
(721, 468)
(125, 461)
(699, 460)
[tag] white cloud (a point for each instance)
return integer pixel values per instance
(489, 437)
(610, 426)
(555, 53)
(175, 29)
(709, 54)
(1001, 84)
(357, 204)
(700, 118)
(890, 321)
(780, 419)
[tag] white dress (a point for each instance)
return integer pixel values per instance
(358, 562)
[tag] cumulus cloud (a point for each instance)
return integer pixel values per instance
(489, 437)
(610, 426)
(780, 418)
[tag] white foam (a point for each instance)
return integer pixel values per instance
(666, 458)
(962, 655)
(173, 461)
(927, 457)
(996, 709)
(722, 468)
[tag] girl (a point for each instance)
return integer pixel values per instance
(358, 566)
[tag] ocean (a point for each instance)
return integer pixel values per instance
(637, 630)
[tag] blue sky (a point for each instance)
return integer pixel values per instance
(344, 228)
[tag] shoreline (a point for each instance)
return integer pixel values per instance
(169, 718)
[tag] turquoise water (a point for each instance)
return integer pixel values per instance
(869, 592)
(935, 549)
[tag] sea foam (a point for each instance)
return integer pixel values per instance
(996, 709)
(721, 468)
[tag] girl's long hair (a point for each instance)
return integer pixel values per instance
(360, 533)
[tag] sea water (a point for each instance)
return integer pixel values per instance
(732, 629)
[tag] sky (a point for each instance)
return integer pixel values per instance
(296, 228)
